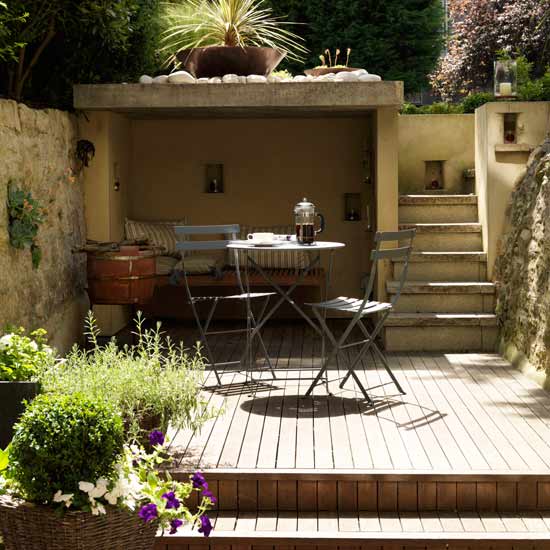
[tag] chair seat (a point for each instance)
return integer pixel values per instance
(352, 305)
(252, 296)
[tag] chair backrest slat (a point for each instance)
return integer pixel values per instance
(228, 229)
(390, 253)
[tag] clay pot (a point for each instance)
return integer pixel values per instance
(214, 61)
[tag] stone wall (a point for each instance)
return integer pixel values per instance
(37, 154)
(522, 269)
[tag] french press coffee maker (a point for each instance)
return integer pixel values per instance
(304, 218)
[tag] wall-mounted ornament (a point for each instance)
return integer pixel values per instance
(85, 152)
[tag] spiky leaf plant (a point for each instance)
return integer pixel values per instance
(198, 23)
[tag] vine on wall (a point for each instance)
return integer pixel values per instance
(26, 215)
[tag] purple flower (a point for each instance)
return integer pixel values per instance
(206, 492)
(172, 501)
(156, 437)
(175, 524)
(206, 526)
(199, 482)
(148, 512)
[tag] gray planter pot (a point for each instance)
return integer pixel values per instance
(12, 395)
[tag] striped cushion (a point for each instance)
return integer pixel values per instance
(273, 259)
(157, 233)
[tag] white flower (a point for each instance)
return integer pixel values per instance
(5, 341)
(66, 498)
(33, 345)
(86, 486)
(100, 488)
(48, 350)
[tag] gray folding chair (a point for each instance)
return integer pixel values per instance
(187, 245)
(360, 308)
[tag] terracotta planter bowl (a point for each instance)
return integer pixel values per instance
(214, 61)
(320, 71)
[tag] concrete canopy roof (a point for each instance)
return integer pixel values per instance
(300, 98)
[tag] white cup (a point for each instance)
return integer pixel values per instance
(261, 238)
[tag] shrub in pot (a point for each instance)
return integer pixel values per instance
(71, 482)
(155, 384)
(217, 37)
(22, 357)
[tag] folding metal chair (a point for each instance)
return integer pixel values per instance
(360, 308)
(187, 245)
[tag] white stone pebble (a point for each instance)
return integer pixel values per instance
(300, 78)
(181, 77)
(360, 72)
(370, 78)
(161, 79)
(145, 79)
(347, 77)
(230, 79)
(274, 79)
(256, 79)
(203, 80)
(215, 80)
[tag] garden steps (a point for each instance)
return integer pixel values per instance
(447, 303)
(444, 297)
(435, 208)
(367, 530)
(444, 266)
(446, 237)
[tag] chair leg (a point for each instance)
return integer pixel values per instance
(203, 337)
(388, 369)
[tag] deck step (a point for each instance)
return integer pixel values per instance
(368, 531)
(444, 297)
(449, 332)
(446, 237)
(437, 208)
(444, 266)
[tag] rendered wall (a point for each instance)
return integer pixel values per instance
(498, 166)
(37, 153)
(269, 165)
(448, 138)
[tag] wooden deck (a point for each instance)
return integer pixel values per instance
(461, 413)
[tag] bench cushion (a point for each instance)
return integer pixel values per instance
(157, 233)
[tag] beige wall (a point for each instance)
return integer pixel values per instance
(448, 138)
(269, 165)
(105, 208)
(497, 172)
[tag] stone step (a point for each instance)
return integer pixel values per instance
(366, 530)
(444, 266)
(437, 208)
(448, 332)
(444, 297)
(446, 237)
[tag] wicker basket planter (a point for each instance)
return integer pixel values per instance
(26, 526)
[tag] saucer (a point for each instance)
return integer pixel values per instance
(267, 243)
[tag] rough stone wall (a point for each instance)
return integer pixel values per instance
(523, 267)
(37, 153)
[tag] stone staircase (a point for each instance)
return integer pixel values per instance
(447, 303)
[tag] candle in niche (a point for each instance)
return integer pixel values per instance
(505, 89)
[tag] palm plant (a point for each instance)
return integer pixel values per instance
(234, 23)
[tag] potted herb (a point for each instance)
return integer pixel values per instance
(22, 357)
(71, 482)
(328, 66)
(155, 384)
(212, 38)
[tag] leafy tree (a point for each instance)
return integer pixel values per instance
(398, 39)
(62, 42)
(9, 45)
(481, 28)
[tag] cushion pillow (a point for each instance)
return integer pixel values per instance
(199, 264)
(272, 259)
(157, 233)
(165, 265)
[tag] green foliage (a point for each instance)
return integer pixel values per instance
(284, 74)
(60, 441)
(473, 101)
(72, 41)
(151, 381)
(398, 40)
(9, 43)
(23, 357)
(196, 23)
(530, 88)
(25, 217)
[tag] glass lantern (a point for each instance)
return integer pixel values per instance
(506, 79)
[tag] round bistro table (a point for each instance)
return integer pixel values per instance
(313, 254)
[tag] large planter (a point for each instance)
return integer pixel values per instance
(26, 526)
(12, 395)
(125, 277)
(214, 61)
